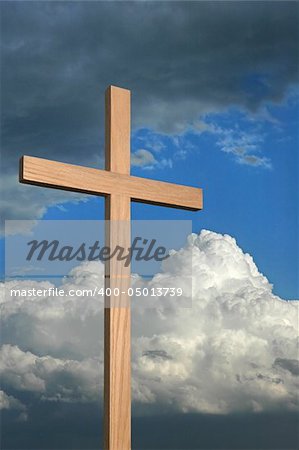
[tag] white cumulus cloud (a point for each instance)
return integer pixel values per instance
(227, 345)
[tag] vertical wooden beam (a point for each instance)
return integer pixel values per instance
(118, 130)
(117, 348)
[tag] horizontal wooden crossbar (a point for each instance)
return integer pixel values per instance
(57, 175)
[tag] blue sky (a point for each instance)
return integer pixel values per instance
(254, 200)
(215, 104)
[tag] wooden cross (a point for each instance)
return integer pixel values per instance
(119, 189)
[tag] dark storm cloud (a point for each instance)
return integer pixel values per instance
(58, 58)
(180, 59)
(156, 354)
(292, 365)
(53, 425)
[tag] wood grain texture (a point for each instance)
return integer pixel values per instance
(118, 130)
(58, 175)
(117, 348)
(117, 364)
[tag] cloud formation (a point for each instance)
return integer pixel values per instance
(10, 403)
(244, 145)
(181, 60)
(211, 55)
(233, 350)
(53, 379)
(143, 158)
